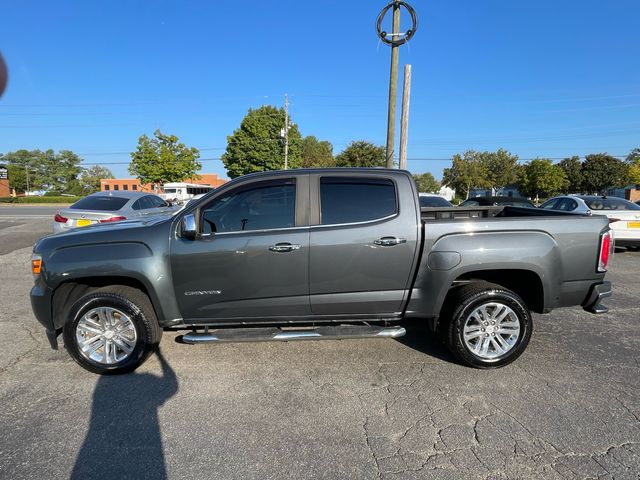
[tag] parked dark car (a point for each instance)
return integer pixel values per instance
(497, 201)
(319, 253)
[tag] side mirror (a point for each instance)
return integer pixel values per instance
(189, 229)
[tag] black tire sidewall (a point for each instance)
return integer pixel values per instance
(144, 340)
(474, 301)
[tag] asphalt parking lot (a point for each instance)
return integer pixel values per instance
(568, 408)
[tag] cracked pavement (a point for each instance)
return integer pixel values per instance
(568, 408)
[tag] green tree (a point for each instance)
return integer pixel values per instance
(541, 177)
(467, 171)
(258, 146)
(602, 171)
(361, 154)
(62, 170)
(90, 178)
(633, 161)
(317, 153)
(633, 157)
(38, 170)
(502, 168)
(20, 164)
(572, 168)
(163, 159)
(427, 183)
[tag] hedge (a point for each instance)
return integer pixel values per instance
(39, 199)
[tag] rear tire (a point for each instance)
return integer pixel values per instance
(486, 325)
(112, 330)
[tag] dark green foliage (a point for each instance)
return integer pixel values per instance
(602, 171)
(258, 146)
(163, 159)
(317, 154)
(572, 168)
(427, 183)
(361, 154)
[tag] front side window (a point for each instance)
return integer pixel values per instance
(261, 207)
(550, 204)
(351, 200)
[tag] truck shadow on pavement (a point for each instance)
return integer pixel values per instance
(423, 340)
(124, 439)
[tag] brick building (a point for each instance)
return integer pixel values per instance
(133, 184)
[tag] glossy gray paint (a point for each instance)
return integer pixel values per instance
(339, 272)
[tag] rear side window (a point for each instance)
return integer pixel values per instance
(610, 204)
(106, 204)
(156, 202)
(433, 202)
(349, 200)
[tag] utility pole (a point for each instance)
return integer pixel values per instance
(394, 40)
(286, 132)
(393, 86)
(26, 170)
(404, 121)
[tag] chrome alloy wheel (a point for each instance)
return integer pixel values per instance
(106, 335)
(491, 330)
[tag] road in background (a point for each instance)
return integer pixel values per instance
(37, 211)
(20, 231)
(568, 408)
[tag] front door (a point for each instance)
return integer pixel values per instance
(250, 262)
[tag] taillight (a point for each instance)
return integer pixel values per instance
(59, 218)
(606, 250)
(112, 219)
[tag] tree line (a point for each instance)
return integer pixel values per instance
(54, 172)
(258, 145)
(540, 176)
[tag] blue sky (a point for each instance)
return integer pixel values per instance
(542, 78)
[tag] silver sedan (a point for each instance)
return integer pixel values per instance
(105, 207)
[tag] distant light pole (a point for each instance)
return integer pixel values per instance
(397, 38)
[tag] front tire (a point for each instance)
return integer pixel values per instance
(112, 330)
(489, 326)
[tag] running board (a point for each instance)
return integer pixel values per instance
(286, 334)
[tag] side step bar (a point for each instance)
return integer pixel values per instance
(287, 334)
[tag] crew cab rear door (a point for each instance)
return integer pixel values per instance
(364, 239)
(251, 260)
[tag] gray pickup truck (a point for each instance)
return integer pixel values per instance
(309, 254)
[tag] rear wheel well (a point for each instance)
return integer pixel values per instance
(525, 283)
(70, 292)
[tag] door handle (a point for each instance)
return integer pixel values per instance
(389, 241)
(284, 247)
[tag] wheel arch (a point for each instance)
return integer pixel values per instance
(68, 292)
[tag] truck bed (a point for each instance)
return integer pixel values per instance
(471, 213)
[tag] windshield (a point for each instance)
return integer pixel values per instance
(105, 204)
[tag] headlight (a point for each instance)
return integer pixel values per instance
(36, 265)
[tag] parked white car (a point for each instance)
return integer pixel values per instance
(624, 216)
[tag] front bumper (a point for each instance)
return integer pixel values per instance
(598, 292)
(41, 305)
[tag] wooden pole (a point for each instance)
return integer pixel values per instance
(404, 121)
(393, 88)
